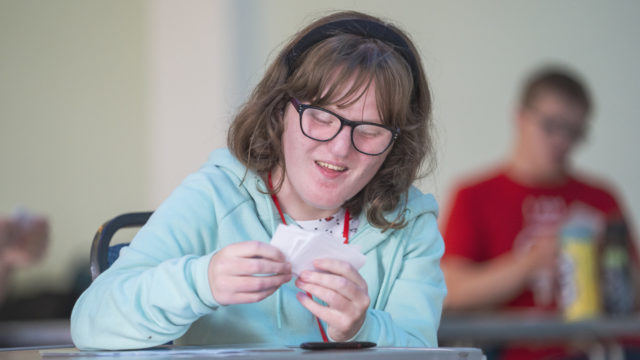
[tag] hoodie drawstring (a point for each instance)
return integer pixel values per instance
(279, 308)
(279, 305)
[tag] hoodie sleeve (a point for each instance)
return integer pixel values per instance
(411, 314)
(159, 284)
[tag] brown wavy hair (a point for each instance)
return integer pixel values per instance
(557, 79)
(403, 99)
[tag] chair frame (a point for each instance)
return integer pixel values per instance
(102, 239)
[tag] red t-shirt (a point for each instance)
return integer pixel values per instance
(493, 215)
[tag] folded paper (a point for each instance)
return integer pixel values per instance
(302, 247)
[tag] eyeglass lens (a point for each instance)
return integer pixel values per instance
(367, 138)
(556, 126)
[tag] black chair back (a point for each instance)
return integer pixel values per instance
(102, 254)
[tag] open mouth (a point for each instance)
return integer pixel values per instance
(330, 166)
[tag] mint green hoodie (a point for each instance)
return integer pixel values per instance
(158, 291)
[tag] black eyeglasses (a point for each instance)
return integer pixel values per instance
(554, 125)
(323, 125)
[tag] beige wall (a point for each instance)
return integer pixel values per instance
(73, 122)
(476, 54)
(148, 87)
(190, 61)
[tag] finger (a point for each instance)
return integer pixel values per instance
(252, 297)
(333, 298)
(40, 232)
(245, 266)
(5, 231)
(339, 284)
(260, 249)
(258, 283)
(226, 291)
(342, 268)
(324, 313)
(10, 232)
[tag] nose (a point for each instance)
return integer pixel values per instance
(340, 146)
(562, 139)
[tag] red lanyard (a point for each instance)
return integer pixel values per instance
(345, 235)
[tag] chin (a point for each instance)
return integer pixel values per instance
(559, 165)
(323, 203)
(327, 205)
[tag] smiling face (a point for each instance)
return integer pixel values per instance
(321, 176)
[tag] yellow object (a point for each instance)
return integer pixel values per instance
(584, 301)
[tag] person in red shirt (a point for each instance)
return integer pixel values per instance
(501, 227)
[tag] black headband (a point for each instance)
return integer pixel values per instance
(364, 28)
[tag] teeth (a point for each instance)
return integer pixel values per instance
(331, 167)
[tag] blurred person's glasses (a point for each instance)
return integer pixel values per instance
(323, 125)
(555, 125)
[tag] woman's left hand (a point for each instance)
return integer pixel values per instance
(343, 289)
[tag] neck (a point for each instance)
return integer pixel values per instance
(291, 203)
(524, 170)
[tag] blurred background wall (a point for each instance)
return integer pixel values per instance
(105, 106)
(74, 125)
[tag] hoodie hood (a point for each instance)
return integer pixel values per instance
(251, 183)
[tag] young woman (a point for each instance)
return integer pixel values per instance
(330, 140)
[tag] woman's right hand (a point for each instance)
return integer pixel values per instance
(247, 272)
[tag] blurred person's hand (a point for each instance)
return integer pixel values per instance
(543, 251)
(541, 259)
(530, 265)
(23, 239)
(6, 231)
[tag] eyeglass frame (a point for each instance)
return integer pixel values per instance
(574, 134)
(300, 108)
